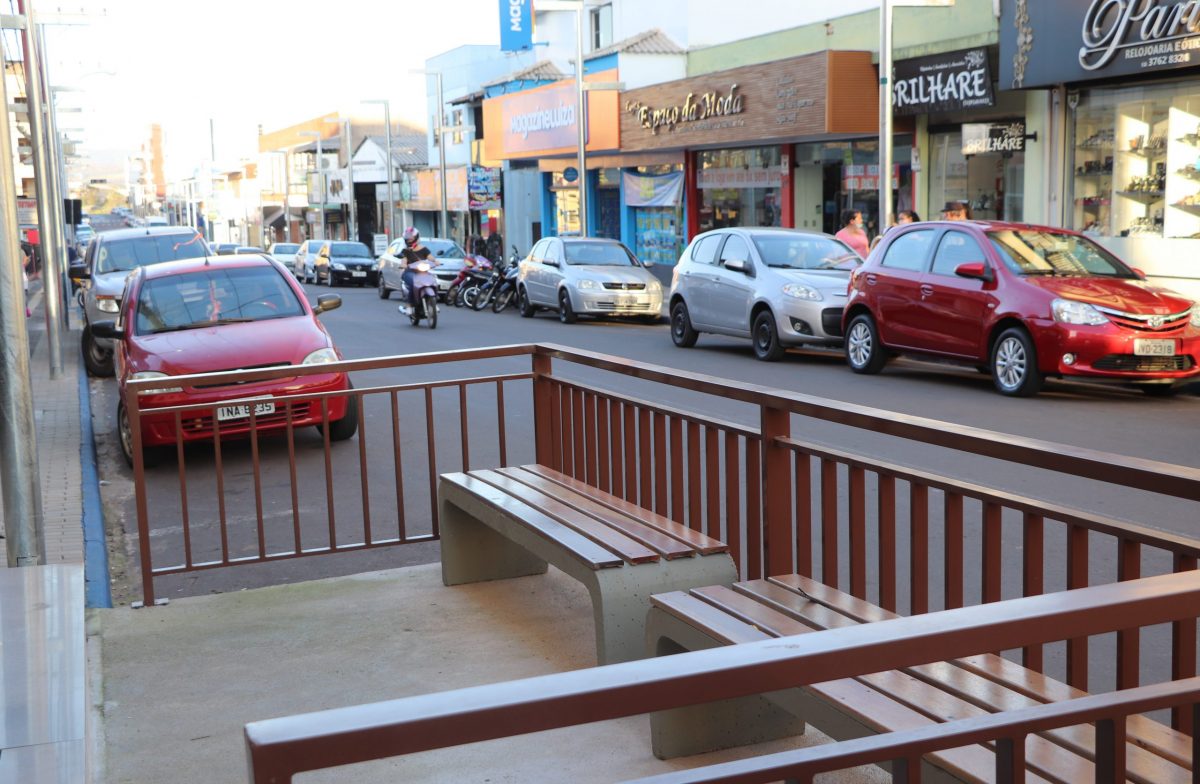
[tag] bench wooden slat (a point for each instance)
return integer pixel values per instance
(604, 535)
(585, 550)
(716, 624)
(704, 544)
(666, 546)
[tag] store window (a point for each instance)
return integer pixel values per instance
(740, 187)
(992, 184)
(1137, 162)
(832, 177)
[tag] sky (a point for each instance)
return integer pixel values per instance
(242, 63)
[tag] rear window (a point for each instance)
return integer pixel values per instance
(125, 255)
(281, 249)
(214, 296)
(353, 249)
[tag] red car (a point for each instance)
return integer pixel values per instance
(1020, 302)
(212, 315)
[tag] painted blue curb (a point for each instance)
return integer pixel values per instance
(95, 548)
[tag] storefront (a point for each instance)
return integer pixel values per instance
(753, 145)
(1131, 166)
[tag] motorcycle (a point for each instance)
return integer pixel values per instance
(467, 277)
(489, 289)
(508, 287)
(425, 285)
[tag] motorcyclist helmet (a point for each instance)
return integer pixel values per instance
(411, 236)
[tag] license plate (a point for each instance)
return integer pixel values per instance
(358, 274)
(1144, 347)
(226, 413)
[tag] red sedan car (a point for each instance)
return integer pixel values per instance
(1020, 302)
(212, 315)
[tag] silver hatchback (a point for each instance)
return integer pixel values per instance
(778, 287)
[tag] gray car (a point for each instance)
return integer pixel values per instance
(587, 276)
(107, 262)
(778, 287)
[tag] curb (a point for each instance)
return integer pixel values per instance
(95, 548)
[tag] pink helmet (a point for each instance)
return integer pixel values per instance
(411, 235)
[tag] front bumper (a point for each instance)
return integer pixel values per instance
(1108, 352)
(617, 303)
(369, 277)
(800, 322)
(159, 429)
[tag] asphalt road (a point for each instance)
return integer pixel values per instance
(1110, 419)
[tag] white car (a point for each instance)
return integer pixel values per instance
(587, 276)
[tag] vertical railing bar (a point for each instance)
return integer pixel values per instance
(579, 435)
(364, 482)
(604, 445)
(918, 550)
(1032, 578)
(220, 466)
(398, 466)
(183, 494)
(754, 490)
(500, 424)
(829, 523)
(661, 463)
(254, 463)
(802, 505)
(953, 547)
(992, 574)
(858, 532)
(695, 508)
(1129, 567)
(589, 432)
(556, 426)
(431, 449)
(677, 476)
(1183, 651)
(628, 415)
(1010, 760)
(712, 469)
(616, 426)
(645, 460)
(1110, 750)
(291, 445)
(733, 528)
(886, 554)
(145, 554)
(565, 393)
(464, 427)
(328, 474)
(1077, 577)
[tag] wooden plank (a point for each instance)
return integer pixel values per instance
(703, 544)
(630, 550)
(661, 543)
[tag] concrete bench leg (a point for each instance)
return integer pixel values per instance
(698, 729)
(472, 552)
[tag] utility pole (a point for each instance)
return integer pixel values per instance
(885, 114)
(59, 181)
(52, 252)
(441, 139)
(581, 119)
(19, 482)
(387, 136)
(352, 234)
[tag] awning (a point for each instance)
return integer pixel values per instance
(269, 218)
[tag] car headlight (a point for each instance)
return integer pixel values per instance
(158, 390)
(322, 356)
(1196, 316)
(588, 283)
(337, 265)
(108, 304)
(1068, 311)
(654, 287)
(800, 291)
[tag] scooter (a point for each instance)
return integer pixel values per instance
(425, 286)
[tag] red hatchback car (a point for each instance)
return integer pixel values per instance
(213, 315)
(1020, 302)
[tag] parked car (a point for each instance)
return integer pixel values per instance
(778, 287)
(448, 254)
(285, 254)
(346, 263)
(84, 234)
(587, 276)
(305, 265)
(108, 260)
(206, 316)
(1022, 303)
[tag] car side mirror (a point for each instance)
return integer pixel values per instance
(327, 302)
(647, 263)
(107, 330)
(974, 269)
(1137, 271)
(550, 262)
(79, 272)
(739, 265)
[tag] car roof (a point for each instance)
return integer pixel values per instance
(144, 231)
(183, 266)
(994, 225)
(590, 239)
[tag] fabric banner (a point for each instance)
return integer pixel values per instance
(663, 190)
(483, 187)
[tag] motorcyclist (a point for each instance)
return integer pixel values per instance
(413, 252)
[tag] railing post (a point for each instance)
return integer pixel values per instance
(777, 490)
(544, 411)
(133, 416)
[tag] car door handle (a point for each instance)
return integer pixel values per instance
(926, 290)
(872, 279)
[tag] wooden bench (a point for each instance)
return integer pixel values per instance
(881, 702)
(514, 522)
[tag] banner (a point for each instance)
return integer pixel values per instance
(516, 25)
(739, 177)
(663, 190)
(483, 188)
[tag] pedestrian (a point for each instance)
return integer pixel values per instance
(956, 211)
(907, 216)
(25, 279)
(852, 232)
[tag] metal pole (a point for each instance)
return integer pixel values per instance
(581, 119)
(51, 251)
(58, 181)
(287, 195)
(441, 119)
(885, 115)
(321, 177)
(19, 483)
(352, 234)
(391, 205)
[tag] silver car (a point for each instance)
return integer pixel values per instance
(778, 287)
(587, 276)
(109, 259)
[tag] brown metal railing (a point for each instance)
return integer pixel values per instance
(280, 748)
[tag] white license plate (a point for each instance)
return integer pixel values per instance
(226, 413)
(1144, 347)
(358, 274)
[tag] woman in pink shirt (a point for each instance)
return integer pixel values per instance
(852, 232)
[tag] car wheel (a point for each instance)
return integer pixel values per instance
(151, 455)
(566, 314)
(97, 359)
(1159, 390)
(524, 305)
(384, 291)
(331, 280)
(347, 426)
(766, 338)
(864, 352)
(1014, 364)
(683, 334)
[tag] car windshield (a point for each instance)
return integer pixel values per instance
(445, 249)
(1033, 252)
(804, 252)
(598, 254)
(279, 250)
(214, 296)
(352, 249)
(126, 255)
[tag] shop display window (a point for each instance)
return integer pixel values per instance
(1136, 168)
(992, 184)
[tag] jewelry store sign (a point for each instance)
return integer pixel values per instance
(1105, 39)
(982, 138)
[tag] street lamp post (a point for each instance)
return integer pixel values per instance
(320, 174)
(387, 121)
(441, 132)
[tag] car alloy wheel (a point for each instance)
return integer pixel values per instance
(864, 353)
(526, 307)
(1014, 364)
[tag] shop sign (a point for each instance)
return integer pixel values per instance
(27, 212)
(943, 83)
(691, 109)
(663, 190)
(516, 25)
(981, 138)
(865, 177)
(740, 177)
(337, 187)
(1104, 39)
(540, 120)
(483, 188)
